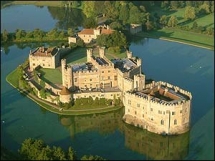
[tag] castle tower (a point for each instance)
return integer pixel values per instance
(65, 95)
(139, 62)
(89, 54)
(69, 77)
(129, 54)
(63, 69)
(139, 82)
(102, 52)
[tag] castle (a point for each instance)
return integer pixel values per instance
(158, 107)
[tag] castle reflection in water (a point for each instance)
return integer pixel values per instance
(153, 146)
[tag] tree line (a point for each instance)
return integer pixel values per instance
(37, 149)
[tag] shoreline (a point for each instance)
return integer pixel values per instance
(64, 112)
(166, 39)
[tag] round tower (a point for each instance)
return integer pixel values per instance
(129, 54)
(89, 54)
(65, 95)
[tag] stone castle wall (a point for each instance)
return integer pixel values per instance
(155, 116)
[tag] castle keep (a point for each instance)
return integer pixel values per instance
(158, 107)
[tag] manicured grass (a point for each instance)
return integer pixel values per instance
(37, 3)
(78, 55)
(52, 75)
(182, 36)
(13, 78)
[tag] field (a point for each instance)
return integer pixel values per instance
(37, 3)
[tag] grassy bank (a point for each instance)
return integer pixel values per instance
(37, 3)
(190, 38)
(12, 79)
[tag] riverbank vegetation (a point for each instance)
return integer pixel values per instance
(191, 22)
(37, 149)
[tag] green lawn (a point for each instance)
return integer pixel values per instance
(13, 78)
(79, 55)
(182, 36)
(51, 75)
(37, 3)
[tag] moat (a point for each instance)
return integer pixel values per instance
(23, 118)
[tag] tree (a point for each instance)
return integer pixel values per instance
(70, 32)
(149, 25)
(71, 155)
(189, 13)
(163, 20)
(5, 36)
(90, 22)
(172, 21)
(195, 25)
(58, 153)
(88, 8)
(124, 13)
(204, 9)
(31, 149)
(92, 157)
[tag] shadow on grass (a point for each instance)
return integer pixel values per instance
(76, 55)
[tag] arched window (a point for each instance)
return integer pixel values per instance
(175, 122)
(162, 122)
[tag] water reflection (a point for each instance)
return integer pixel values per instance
(67, 17)
(151, 145)
(104, 123)
(155, 146)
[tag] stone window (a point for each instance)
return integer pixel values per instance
(175, 122)
(115, 77)
(129, 102)
(108, 77)
(162, 122)
(138, 105)
(135, 112)
(128, 110)
(173, 113)
(151, 109)
(75, 79)
(160, 112)
(108, 71)
(102, 71)
(180, 111)
(143, 115)
(90, 79)
(33, 64)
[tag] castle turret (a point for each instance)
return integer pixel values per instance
(63, 68)
(102, 52)
(65, 95)
(139, 62)
(89, 54)
(139, 82)
(129, 54)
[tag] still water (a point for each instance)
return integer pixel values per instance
(188, 67)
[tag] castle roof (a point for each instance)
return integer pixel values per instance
(87, 32)
(106, 31)
(64, 91)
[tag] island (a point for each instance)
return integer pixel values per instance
(158, 107)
